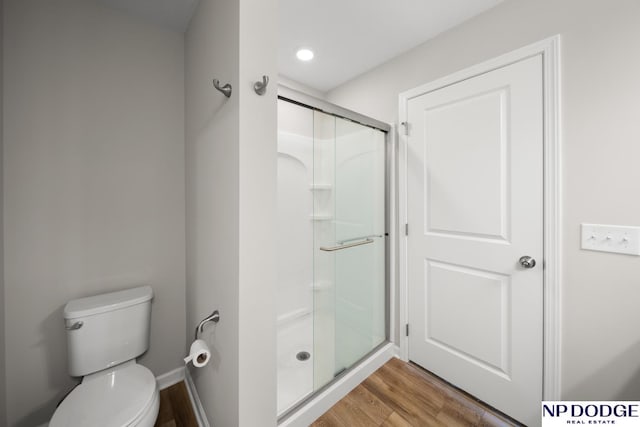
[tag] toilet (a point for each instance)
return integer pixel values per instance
(105, 334)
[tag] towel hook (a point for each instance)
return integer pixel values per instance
(261, 87)
(226, 89)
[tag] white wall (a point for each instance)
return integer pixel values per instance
(295, 85)
(231, 196)
(93, 184)
(257, 186)
(3, 398)
(600, 131)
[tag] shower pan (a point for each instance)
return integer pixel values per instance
(332, 244)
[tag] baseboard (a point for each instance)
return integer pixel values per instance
(396, 352)
(170, 378)
(182, 374)
(329, 397)
(195, 400)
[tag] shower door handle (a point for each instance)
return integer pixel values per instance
(346, 245)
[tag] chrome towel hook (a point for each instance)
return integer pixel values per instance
(226, 89)
(261, 87)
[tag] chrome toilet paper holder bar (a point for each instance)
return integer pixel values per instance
(213, 317)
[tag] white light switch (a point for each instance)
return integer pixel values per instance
(611, 238)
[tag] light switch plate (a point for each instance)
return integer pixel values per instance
(611, 238)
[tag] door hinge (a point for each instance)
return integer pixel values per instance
(406, 229)
(407, 329)
(405, 125)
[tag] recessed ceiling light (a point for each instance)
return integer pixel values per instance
(304, 54)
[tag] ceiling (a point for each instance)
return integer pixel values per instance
(353, 36)
(348, 37)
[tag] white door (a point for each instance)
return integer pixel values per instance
(474, 207)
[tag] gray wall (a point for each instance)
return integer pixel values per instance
(3, 397)
(231, 183)
(600, 131)
(94, 184)
(212, 132)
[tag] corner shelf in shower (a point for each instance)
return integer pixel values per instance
(321, 285)
(321, 217)
(320, 187)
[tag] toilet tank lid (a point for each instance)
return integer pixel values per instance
(107, 302)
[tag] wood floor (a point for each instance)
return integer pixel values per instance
(400, 394)
(175, 408)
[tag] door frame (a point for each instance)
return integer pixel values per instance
(550, 50)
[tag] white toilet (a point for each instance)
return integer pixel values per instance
(105, 334)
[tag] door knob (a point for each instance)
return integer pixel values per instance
(527, 262)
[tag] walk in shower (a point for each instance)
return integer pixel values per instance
(332, 244)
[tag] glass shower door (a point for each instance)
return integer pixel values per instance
(349, 244)
(324, 236)
(331, 248)
(359, 267)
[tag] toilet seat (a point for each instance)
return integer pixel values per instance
(123, 396)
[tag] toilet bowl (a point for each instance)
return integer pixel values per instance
(105, 335)
(125, 396)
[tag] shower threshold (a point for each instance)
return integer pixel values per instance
(311, 406)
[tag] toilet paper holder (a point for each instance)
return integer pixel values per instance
(213, 317)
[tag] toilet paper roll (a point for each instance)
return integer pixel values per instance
(199, 354)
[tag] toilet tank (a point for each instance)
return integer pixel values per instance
(108, 329)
